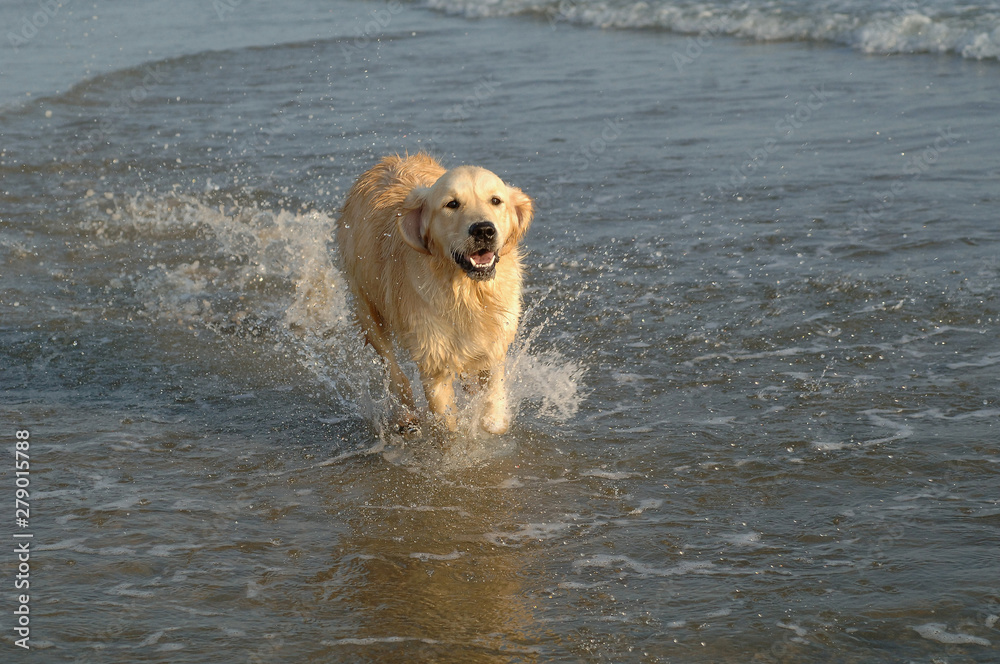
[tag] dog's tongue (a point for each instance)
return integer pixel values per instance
(482, 259)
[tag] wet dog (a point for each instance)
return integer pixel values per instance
(432, 259)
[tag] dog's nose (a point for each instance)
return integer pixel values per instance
(483, 230)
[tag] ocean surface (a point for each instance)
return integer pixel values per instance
(756, 386)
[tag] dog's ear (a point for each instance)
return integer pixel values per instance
(524, 211)
(411, 219)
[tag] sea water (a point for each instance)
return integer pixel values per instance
(755, 389)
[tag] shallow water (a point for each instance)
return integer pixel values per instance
(756, 385)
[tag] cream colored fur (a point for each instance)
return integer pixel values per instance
(403, 230)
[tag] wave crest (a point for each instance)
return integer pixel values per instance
(900, 27)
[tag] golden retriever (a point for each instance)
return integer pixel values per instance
(431, 257)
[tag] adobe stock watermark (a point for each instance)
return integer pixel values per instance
(915, 167)
(253, 144)
(223, 7)
(784, 130)
(564, 12)
(123, 105)
(587, 153)
(898, 10)
(269, 651)
(694, 47)
(110, 637)
(365, 34)
(30, 25)
(890, 528)
(792, 647)
(482, 91)
(22, 537)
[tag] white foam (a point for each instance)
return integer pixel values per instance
(988, 360)
(528, 532)
(577, 585)
(648, 504)
(68, 544)
(123, 504)
(609, 474)
(725, 420)
(374, 640)
(152, 639)
(628, 565)
(751, 539)
(253, 589)
(116, 551)
(827, 446)
(800, 631)
(344, 456)
(424, 557)
(936, 414)
(126, 590)
(743, 357)
(902, 431)
(938, 632)
(193, 505)
(417, 508)
(970, 32)
(630, 430)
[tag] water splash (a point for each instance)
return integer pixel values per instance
(244, 270)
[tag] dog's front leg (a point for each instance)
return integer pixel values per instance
(399, 385)
(494, 418)
(440, 395)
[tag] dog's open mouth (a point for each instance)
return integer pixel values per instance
(480, 265)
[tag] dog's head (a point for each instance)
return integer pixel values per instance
(469, 217)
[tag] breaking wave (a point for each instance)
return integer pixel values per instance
(897, 27)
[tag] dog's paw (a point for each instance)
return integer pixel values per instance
(444, 422)
(408, 426)
(494, 422)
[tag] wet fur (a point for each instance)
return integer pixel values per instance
(398, 243)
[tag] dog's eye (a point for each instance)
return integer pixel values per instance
(452, 204)
(496, 201)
